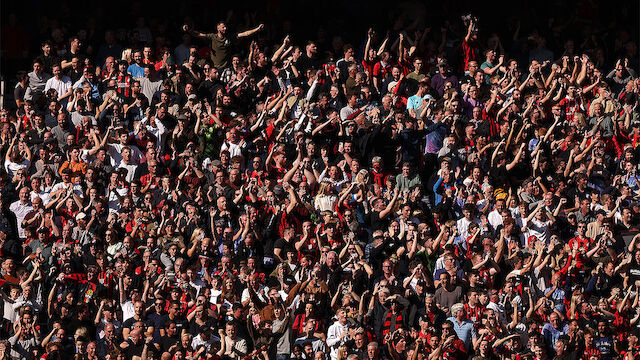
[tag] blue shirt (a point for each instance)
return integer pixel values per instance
(136, 71)
(552, 334)
(414, 102)
(465, 331)
(436, 133)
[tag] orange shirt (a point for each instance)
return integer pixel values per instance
(77, 168)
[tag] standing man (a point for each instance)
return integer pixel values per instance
(37, 82)
(21, 208)
(221, 45)
(61, 83)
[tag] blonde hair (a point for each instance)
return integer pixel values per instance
(580, 119)
(80, 332)
(126, 55)
(324, 188)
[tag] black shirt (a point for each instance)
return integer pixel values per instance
(134, 349)
(166, 342)
(378, 223)
(285, 246)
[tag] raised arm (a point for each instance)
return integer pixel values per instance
(251, 31)
(517, 158)
(389, 207)
(186, 28)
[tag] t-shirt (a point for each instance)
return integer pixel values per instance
(414, 102)
(18, 92)
(166, 342)
(128, 324)
(447, 298)
(12, 167)
(21, 212)
(62, 86)
(134, 349)
(285, 246)
(220, 51)
(181, 323)
(376, 222)
(136, 71)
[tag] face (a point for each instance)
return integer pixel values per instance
(230, 330)
(222, 28)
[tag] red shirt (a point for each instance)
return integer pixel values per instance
(405, 66)
(570, 106)
(474, 313)
(381, 70)
(455, 351)
(469, 52)
(368, 67)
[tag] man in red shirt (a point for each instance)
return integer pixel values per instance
(451, 347)
(470, 46)
(381, 70)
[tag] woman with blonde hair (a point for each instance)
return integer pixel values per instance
(126, 55)
(579, 121)
(326, 197)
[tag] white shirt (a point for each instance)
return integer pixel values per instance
(261, 292)
(158, 131)
(9, 312)
(21, 211)
(333, 338)
(77, 189)
(115, 152)
(540, 230)
(463, 226)
(234, 149)
(114, 202)
(197, 341)
(214, 296)
(499, 310)
(495, 218)
(12, 167)
(324, 202)
(61, 86)
(131, 170)
(128, 310)
(44, 196)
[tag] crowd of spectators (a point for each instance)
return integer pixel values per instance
(425, 194)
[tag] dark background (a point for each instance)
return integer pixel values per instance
(613, 23)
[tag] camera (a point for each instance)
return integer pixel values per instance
(472, 20)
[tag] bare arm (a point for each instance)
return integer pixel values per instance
(187, 29)
(250, 32)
